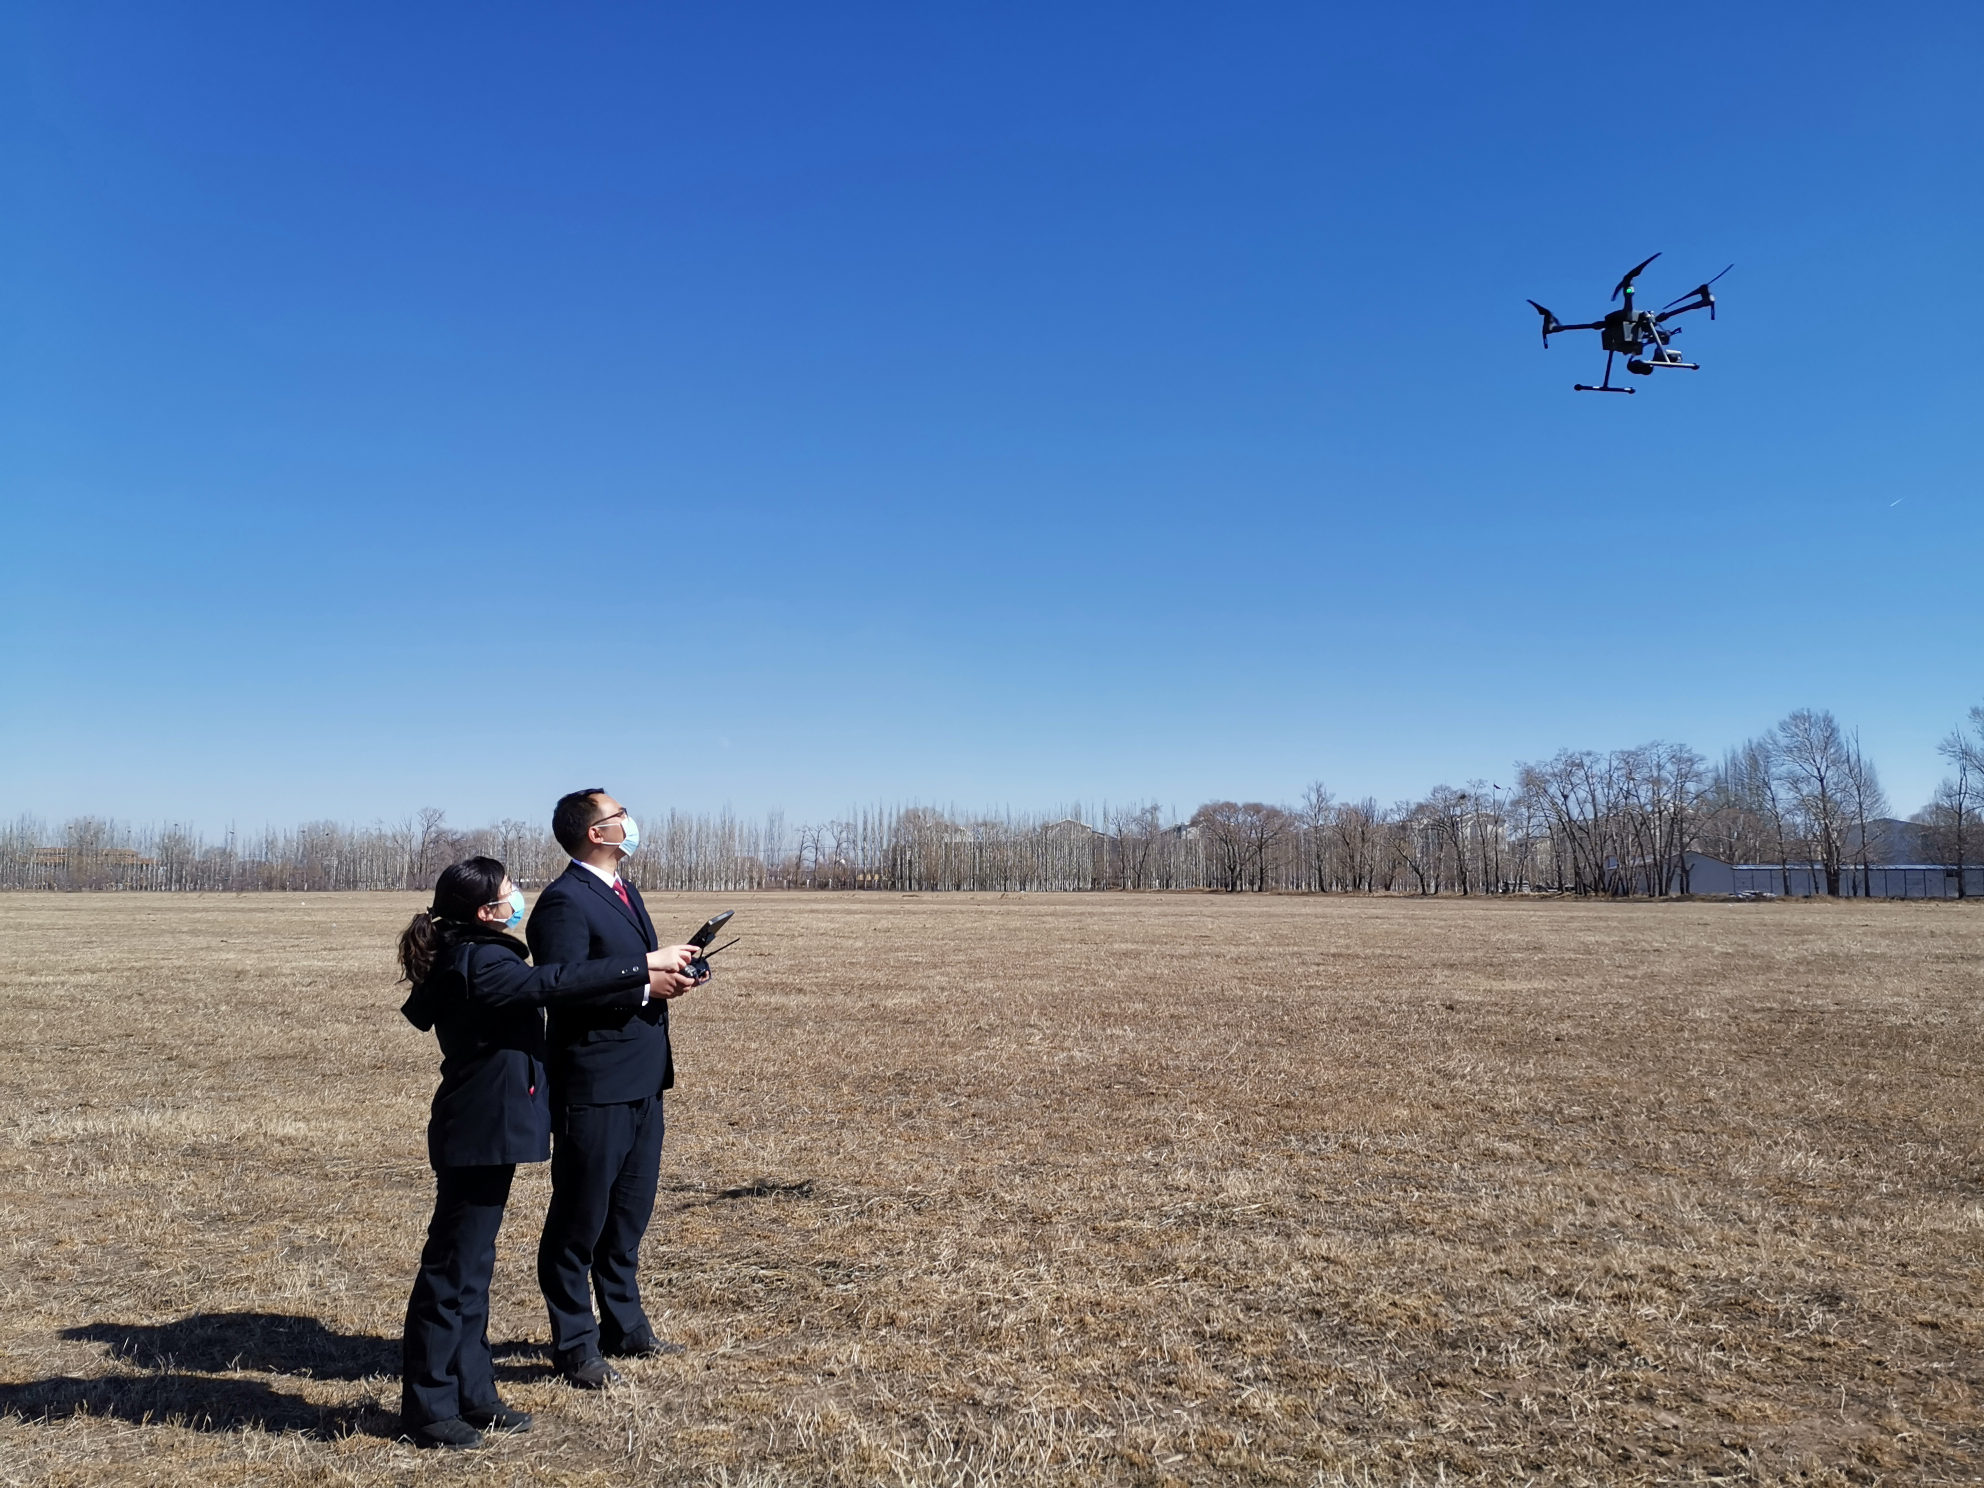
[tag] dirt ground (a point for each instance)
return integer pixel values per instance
(1046, 1189)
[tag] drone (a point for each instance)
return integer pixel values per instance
(1637, 333)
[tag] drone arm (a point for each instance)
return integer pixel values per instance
(1706, 302)
(1552, 325)
(1556, 326)
(1699, 298)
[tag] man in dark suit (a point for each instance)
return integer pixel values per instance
(607, 1069)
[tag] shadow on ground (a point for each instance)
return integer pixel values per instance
(263, 1342)
(196, 1401)
(757, 1188)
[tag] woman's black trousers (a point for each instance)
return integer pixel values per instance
(445, 1364)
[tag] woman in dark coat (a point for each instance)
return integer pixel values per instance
(474, 986)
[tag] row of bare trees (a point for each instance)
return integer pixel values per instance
(1622, 822)
(686, 851)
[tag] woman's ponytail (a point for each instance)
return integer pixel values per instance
(420, 945)
(462, 889)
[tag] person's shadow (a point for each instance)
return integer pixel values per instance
(181, 1360)
(197, 1401)
(259, 1342)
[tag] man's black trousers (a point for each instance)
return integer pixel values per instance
(605, 1163)
(444, 1352)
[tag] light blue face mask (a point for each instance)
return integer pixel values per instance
(633, 837)
(516, 910)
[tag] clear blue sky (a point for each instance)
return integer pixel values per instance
(796, 405)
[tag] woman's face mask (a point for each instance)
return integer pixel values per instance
(516, 903)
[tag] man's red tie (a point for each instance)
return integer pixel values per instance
(621, 889)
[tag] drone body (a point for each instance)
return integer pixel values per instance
(1639, 334)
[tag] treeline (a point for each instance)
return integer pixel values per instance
(683, 851)
(1616, 823)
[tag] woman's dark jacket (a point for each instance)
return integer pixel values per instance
(485, 1003)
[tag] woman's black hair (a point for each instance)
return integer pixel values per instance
(461, 890)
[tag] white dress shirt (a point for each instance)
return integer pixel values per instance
(609, 879)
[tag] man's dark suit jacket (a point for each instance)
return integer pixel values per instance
(485, 1004)
(600, 1056)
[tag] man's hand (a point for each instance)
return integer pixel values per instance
(665, 976)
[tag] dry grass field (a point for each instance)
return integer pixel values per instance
(1068, 1189)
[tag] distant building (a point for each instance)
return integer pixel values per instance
(1708, 875)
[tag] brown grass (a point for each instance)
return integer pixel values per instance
(1044, 1190)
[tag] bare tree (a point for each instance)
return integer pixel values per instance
(1762, 758)
(1419, 844)
(1264, 826)
(1742, 813)
(1950, 823)
(1222, 829)
(1315, 817)
(1952, 817)
(1359, 827)
(1446, 810)
(434, 848)
(1867, 802)
(1572, 792)
(1814, 761)
(1488, 835)
(1137, 830)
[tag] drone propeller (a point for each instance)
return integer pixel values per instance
(1550, 323)
(1699, 290)
(1626, 283)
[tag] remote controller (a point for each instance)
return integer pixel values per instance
(699, 968)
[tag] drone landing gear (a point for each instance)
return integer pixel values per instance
(1606, 386)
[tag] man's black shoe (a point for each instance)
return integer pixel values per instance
(589, 1373)
(497, 1417)
(645, 1345)
(453, 1432)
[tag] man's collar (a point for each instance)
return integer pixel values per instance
(609, 879)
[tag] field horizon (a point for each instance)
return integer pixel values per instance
(1043, 1188)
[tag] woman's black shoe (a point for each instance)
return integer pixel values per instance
(589, 1372)
(453, 1432)
(644, 1345)
(497, 1417)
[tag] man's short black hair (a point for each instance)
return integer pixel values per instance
(573, 817)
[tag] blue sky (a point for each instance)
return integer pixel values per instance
(800, 405)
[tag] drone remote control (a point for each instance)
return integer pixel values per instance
(699, 968)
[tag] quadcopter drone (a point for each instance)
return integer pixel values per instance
(1634, 331)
